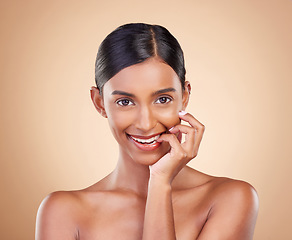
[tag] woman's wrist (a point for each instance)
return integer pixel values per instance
(158, 180)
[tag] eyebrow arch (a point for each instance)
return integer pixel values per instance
(118, 92)
(165, 90)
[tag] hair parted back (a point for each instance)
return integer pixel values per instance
(133, 43)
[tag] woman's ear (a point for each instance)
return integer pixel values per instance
(97, 101)
(186, 95)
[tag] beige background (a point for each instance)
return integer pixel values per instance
(238, 59)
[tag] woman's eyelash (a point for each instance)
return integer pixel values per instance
(163, 100)
(128, 102)
(124, 102)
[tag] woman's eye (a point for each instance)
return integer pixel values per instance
(124, 102)
(163, 100)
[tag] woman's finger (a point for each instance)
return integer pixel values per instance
(199, 128)
(189, 132)
(173, 142)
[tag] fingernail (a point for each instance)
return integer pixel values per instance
(171, 128)
(182, 113)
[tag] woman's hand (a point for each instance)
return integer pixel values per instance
(180, 154)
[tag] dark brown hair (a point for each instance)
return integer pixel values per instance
(133, 43)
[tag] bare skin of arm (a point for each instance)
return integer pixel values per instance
(159, 220)
(159, 210)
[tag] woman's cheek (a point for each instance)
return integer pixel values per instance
(119, 119)
(118, 124)
(169, 118)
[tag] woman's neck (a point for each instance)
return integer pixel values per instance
(131, 176)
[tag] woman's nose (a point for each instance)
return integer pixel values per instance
(145, 119)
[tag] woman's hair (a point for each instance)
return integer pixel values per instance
(133, 43)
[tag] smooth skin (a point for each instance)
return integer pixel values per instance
(151, 194)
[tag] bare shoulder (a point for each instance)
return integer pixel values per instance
(58, 209)
(60, 201)
(228, 192)
(226, 203)
(235, 197)
(70, 203)
(234, 193)
(220, 188)
(61, 196)
(234, 208)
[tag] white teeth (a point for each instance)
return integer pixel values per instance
(146, 141)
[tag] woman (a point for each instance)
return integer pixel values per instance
(151, 194)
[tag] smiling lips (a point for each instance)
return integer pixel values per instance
(146, 143)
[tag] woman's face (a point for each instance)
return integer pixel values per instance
(142, 102)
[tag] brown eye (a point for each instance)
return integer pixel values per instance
(124, 102)
(163, 100)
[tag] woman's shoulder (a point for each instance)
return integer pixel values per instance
(70, 203)
(58, 209)
(221, 191)
(66, 209)
(233, 194)
(227, 195)
(230, 186)
(229, 189)
(67, 200)
(60, 199)
(227, 202)
(217, 185)
(58, 205)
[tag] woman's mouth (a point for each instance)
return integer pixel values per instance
(146, 143)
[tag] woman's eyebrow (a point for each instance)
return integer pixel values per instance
(118, 92)
(165, 90)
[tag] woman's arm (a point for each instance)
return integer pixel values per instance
(159, 220)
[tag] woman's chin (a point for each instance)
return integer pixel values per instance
(150, 158)
(146, 161)
(145, 156)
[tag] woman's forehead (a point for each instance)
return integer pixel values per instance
(151, 74)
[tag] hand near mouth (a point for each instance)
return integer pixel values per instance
(180, 154)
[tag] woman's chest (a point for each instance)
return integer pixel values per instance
(109, 223)
(125, 221)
